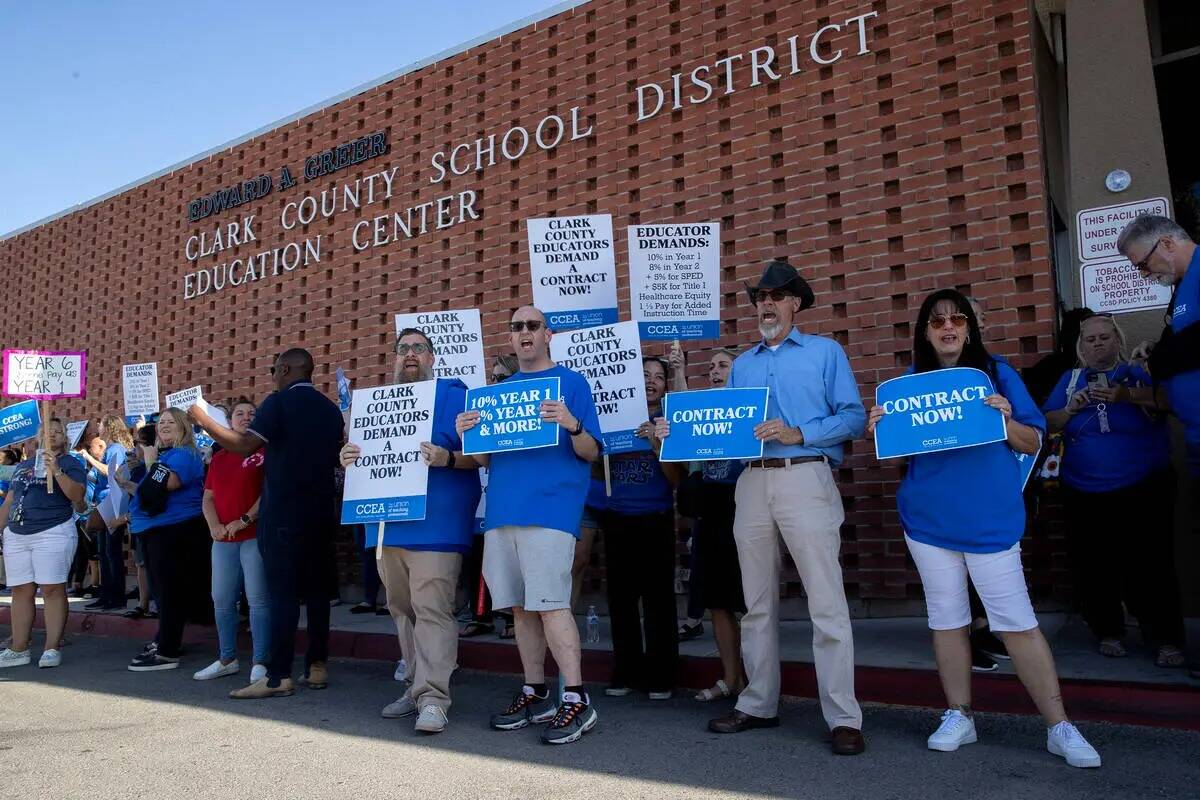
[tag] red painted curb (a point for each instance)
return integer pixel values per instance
(1158, 705)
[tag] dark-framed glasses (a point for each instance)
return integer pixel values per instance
(1142, 266)
(420, 348)
(531, 325)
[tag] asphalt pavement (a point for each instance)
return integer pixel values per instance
(91, 729)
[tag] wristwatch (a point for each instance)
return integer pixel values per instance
(246, 520)
(449, 458)
(578, 428)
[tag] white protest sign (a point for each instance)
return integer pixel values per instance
(74, 431)
(389, 479)
(185, 399)
(139, 382)
(457, 339)
(1098, 228)
(610, 357)
(573, 268)
(675, 280)
(44, 375)
(1113, 286)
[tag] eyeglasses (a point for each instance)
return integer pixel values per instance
(959, 320)
(776, 295)
(420, 348)
(530, 325)
(1141, 266)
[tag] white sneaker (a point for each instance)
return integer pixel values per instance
(50, 658)
(401, 708)
(431, 720)
(401, 673)
(956, 730)
(1065, 740)
(258, 672)
(216, 670)
(11, 658)
(663, 695)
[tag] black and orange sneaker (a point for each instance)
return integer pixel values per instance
(573, 719)
(525, 708)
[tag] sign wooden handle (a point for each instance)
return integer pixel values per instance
(46, 444)
(607, 478)
(379, 542)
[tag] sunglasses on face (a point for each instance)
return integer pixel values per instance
(1141, 266)
(530, 325)
(775, 295)
(420, 349)
(959, 320)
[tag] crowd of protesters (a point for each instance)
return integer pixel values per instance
(254, 519)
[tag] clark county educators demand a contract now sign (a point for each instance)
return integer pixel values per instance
(573, 269)
(938, 410)
(714, 424)
(388, 481)
(510, 417)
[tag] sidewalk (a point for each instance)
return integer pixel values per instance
(893, 656)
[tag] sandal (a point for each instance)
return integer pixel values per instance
(718, 692)
(509, 631)
(1112, 648)
(1169, 657)
(474, 628)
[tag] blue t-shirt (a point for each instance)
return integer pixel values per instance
(639, 485)
(303, 432)
(33, 509)
(1134, 447)
(726, 472)
(90, 489)
(183, 503)
(452, 494)
(969, 500)
(545, 487)
(1184, 389)
(597, 495)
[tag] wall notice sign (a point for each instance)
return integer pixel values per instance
(610, 357)
(675, 281)
(139, 382)
(1113, 286)
(1098, 228)
(44, 375)
(388, 481)
(572, 266)
(457, 340)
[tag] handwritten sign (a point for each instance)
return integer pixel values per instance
(675, 281)
(185, 399)
(19, 422)
(139, 383)
(573, 268)
(457, 338)
(388, 482)
(941, 409)
(714, 424)
(610, 357)
(510, 416)
(44, 375)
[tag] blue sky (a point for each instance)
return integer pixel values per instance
(97, 94)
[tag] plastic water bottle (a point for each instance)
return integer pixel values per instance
(592, 626)
(39, 464)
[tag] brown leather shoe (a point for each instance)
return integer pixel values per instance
(848, 741)
(259, 690)
(317, 677)
(739, 721)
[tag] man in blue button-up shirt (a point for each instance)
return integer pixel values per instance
(813, 407)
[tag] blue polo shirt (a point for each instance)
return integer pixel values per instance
(969, 500)
(1135, 446)
(183, 503)
(302, 429)
(452, 495)
(811, 388)
(545, 487)
(1184, 389)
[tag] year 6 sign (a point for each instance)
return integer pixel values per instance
(510, 416)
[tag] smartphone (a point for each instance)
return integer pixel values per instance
(1097, 380)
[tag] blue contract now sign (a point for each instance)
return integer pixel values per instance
(19, 422)
(938, 410)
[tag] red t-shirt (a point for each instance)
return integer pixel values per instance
(236, 482)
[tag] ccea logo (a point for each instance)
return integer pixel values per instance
(565, 319)
(363, 509)
(658, 329)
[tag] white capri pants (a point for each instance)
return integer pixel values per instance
(43, 558)
(998, 578)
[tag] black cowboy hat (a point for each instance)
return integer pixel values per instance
(779, 274)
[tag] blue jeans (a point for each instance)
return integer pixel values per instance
(231, 563)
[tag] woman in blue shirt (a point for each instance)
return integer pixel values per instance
(962, 512)
(1117, 477)
(639, 546)
(166, 512)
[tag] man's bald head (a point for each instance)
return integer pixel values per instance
(292, 365)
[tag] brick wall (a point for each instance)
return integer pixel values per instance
(883, 176)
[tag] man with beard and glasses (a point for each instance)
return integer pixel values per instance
(421, 559)
(813, 408)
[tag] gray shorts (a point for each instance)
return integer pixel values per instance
(528, 567)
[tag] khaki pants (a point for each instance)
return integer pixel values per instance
(420, 596)
(802, 503)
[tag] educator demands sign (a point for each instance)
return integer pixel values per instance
(675, 281)
(44, 375)
(938, 410)
(610, 357)
(714, 424)
(19, 422)
(573, 268)
(457, 340)
(139, 382)
(183, 400)
(388, 481)
(510, 417)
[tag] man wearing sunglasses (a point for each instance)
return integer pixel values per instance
(535, 503)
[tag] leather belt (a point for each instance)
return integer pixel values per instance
(783, 463)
